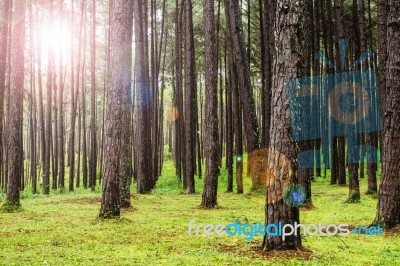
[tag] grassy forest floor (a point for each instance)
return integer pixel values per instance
(62, 229)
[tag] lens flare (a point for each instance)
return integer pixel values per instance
(171, 114)
(294, 195)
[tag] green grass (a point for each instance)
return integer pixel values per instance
(63, 229)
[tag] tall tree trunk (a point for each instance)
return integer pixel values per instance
(4, 12)
(267, 17)
(338, 171)
(143, 166)
(229, 123)
(305, 173)
(177, 99)
(50, 69)
(237, 118)
(61, 138)
(190, 97)
(14, 144)
(125, 170)
(93, 138)
(119, 85)
(83, 105)
(209, 198)
(388, 214)
(33, 123)
(283, 149)
(354, 186)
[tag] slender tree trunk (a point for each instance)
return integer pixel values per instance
(338, 171)
(48, 131)
(93, 138)
(125, 170)
(237, 118)
(305, 174)
(190, 97)
(54, 139)
(4, 31)
(83, 106)
(354, 186)
(229, 124)
(143, 166)
(61, 138)
(33, 123)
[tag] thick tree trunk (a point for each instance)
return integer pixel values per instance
(209, 198)
(14, 144)
(388, 214)
(284, 150)
(119, 85)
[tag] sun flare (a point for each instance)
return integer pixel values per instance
(55, 38)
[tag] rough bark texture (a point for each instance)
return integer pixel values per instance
(229, 126)
(283, 155)
(209, 198)
(119, 84)
(305, 174)
(268, 15)
(190, 98)
(143, 166)
(389, 192)
(14, 144)
(338, 171)
(126, 155)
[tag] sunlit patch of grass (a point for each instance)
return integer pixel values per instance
(63, 229)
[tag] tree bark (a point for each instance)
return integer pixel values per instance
(14, 144)
(388, 214)
(119, 83)
(4, 31)
(283, 149)
(209, 198)
(190, 97)
(143, 166)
